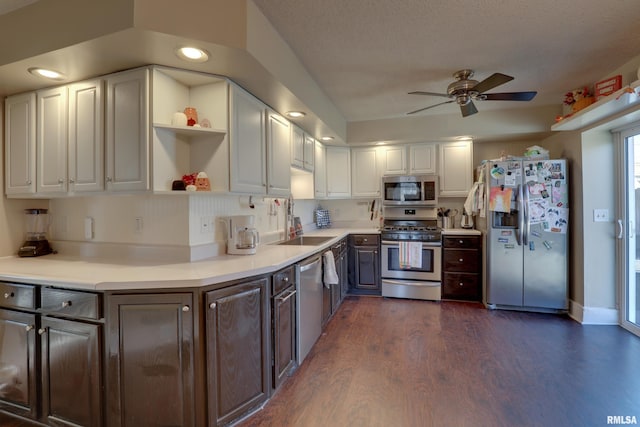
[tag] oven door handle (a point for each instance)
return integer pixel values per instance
(424, 244)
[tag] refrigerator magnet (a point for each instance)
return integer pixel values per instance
(503, 240)
(532, 246)
(497, 172)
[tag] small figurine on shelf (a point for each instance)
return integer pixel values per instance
(192, 116)
(202, 182)
(578, 99)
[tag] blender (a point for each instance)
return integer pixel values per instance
(37, 222)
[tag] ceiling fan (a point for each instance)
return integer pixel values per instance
(464, 90)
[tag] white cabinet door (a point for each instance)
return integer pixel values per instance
(297, 147)
(51, 140)
(278, 145)
(422, 158)
(127, 131)
(320, 171)
(309, 151)
(394, 160)
(365, 172)
(456, 168)
(247, 143)
(86, 136)
(20, 144)
(338, 172)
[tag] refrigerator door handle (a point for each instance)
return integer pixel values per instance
(519, 206)
(526, 226)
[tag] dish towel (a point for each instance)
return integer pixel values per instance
(330, 273)
(410, 255)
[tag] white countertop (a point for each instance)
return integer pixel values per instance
(460, 232)
(107, 274)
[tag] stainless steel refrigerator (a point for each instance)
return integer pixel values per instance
(526, 204)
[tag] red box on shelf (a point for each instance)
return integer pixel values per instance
(607, 86)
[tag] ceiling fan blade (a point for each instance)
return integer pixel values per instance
(494, 80)
(419, 92)
(431, 106)
(508, 96)
(468, 109)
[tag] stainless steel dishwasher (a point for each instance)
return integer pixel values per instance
(309, 302)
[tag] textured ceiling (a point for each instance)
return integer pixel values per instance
(367, 54)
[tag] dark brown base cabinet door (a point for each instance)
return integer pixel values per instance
(150, 366)
(18, 389)
(366, 268)
(237, 331)
(71, 372)
(284, 335)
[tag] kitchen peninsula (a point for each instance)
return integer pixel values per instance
(173, 332)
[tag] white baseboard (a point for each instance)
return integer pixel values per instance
(593, 315)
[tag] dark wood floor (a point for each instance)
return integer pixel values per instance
(388, 362)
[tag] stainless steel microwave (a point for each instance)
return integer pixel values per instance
(410, 190)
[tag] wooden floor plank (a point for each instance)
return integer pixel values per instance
(390, 362)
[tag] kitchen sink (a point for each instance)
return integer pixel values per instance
(307, 240)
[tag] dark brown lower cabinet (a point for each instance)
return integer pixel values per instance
(18, 374)
(283, 312)
(237, 333)
(71, 372)
(151, 360)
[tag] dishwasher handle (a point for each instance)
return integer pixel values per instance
(305, 267)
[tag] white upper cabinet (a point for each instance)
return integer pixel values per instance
(20, 144)
(302, 149)
(320, 171)
(127, 131)
(394, 160)
(365, 172)
(86, 136)
(338, 161)
(309, 151)
(456, 168)
(247, 143)
(51, 140)
(278, 144)
(422, 159)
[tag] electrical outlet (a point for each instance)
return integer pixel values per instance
(138, 225)
(205, 225)
(88, 228)
(601, 215)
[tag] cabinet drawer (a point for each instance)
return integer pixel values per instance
(462, 286)
(462, 260)
(462, 242)
(13, 295)
(282, 280)
(365, 239)
(71, 303)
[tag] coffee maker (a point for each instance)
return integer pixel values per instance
(36, 244)
(242, 237)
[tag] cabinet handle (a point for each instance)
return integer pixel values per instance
(66, 304)
(185, 308)
(461, 284)
(289, 295)
(28, 328)
(8, 295)
(460, 260)
(60, 181)
(461, 241)
(375, 252)
(212, 306)
(42, 331)
(286, 279)
(71, 180)
(28, 182)
(108, 179)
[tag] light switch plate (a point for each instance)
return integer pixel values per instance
(601, 215)
(88, 228)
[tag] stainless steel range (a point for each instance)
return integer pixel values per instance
(411, 253)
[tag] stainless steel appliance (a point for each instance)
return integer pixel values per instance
(242, 237)
(309, 303)
(406, 228)
(525, 228)
(36, 243)
(410, 190)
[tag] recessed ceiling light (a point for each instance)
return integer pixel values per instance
(49, 74)
(327, 138)
(192, 54)
(296, 114)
